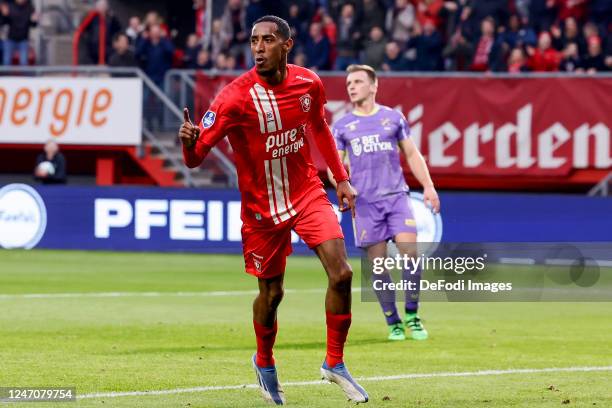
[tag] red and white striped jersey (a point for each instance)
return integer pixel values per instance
(266, 126)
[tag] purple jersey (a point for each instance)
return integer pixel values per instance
(371, 142)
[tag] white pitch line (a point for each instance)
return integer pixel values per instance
(521, 261)
(150, 294)
(374, 379)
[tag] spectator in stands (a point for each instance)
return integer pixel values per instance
(543, 58)
(234, 25)
(192, 49)
(334, 7)
(300, 59)
(122, 56)
(427, 47)
(154, 18)
(201, 20)
(331, 33)
(374, 15)
(374, 48)
(588, 30)
(20, 17)
(92, 33)
(451, 13)
(316, 48)
(458, 52)
(600, 13)
(297, 23)
(219, 40)
(429, 10)
(478, 10)
(50, 165)
(516, 61)
(571, 58)
(542, 14)
(254, 10)
(487, 50)
(522, 9)
(594, 61)
(134, 30)
(572, 8)
(220, 61)
(569, 34)
(203, 61)
(230, 63)
(517, 35)
(348, 38)
(400, 20)
(394, 60)
(154, 51)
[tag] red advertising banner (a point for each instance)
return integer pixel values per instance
(503, 128)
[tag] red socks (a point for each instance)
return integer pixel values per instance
(337, 330)
(265, 341)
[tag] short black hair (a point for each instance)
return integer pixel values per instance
(282, 27)
(119, 35)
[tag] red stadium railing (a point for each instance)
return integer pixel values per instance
(76, 38)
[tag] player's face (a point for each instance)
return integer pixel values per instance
(269, 49)
(359, 86)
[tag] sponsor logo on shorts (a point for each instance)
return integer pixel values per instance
(257, 261)
(410, 222)
(209, 119)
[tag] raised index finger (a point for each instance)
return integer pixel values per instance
(186, 117)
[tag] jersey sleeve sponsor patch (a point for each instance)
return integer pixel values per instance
(209, 119)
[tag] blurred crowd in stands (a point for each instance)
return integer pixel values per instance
(18, 16)
(391, 35)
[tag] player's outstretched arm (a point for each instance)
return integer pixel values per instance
(421, 172)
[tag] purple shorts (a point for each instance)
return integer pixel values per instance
(382, 220)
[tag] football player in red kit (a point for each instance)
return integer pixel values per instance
(266, 113)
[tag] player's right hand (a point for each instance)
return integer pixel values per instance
(346, 197)
(188, 133)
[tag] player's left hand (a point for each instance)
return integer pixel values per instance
(346, 197)
(430, 197)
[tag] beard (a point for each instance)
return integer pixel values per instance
(266, 72)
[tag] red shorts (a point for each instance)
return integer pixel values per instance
(266, 249)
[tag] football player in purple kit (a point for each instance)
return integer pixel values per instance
(370, 135)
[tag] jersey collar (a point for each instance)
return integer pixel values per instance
(371, 113)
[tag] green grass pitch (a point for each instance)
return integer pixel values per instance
(163, 341)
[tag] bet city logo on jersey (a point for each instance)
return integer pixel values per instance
(369, 144)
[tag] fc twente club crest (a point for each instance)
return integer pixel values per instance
(306, 102)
